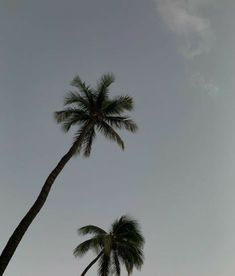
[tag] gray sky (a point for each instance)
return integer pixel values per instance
(176, 176)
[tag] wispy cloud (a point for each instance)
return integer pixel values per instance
(206, 85)
(193, 34)
(184, 20)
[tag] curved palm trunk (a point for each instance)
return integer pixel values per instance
(91, 264)
(20, 230)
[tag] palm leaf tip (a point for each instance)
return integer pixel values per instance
(77, 82)
(55, 116)
(118, 105)
(128, 103)
(110, 133)
(105, 81)
(91, 244)
(122, 122)
(81, 249)
(82, 86)
(91, 229)
(59, 116)
(130, 125)
(71, 97)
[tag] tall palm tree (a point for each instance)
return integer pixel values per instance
(122, 244)
(90, 110)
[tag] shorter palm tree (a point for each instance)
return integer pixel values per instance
(123, 244)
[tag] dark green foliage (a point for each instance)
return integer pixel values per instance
(92, 110)
(123, 244)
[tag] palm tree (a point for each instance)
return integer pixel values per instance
(122, 244)
(90, 110)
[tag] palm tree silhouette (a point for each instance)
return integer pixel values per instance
(122, 244)
(90, 110)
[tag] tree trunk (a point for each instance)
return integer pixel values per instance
(20, 230)
(91, 264)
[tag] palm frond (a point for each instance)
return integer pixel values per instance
(78, 118)
(133, 237)
(74, 98)
(85, 89)
(66, 113)
(94, 244)
(132, 254)
(80, 137)
(89, 141)
(116, 264)
(122, 122)
(62, 115)
(104, 265)
(125, 223)
(126, 260)
(110, 133)
(91, 229)
(128, 230)
(129, 262)
(118, 105)
(102, 88)
(105, 81)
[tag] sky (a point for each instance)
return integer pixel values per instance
(176, 58)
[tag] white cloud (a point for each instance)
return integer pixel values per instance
(184, 20)
(206, 85)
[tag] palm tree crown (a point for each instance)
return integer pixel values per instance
(93, 110)
(122, 244)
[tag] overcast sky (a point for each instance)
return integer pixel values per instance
(176, 175)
